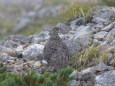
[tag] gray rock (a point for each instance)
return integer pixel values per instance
(85, 41)
(33, 52)
(111, 36)
(15, 41)
(73, 83)
(99, 68)
(83, 31)
(9, 51)
(103, 14)
(99, 20)
(106, 79)
(19, 51)
(109, 27)
(78, 21)
(44, 63)
(64, 29)
(98, 27)
(100, 35)
(66, 36)
(3, 55)
(41, 37)
(73, 46)
(9, 59)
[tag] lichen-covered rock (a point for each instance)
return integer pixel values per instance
(100, 35)
(64, 29)
(83, 31)
(105, 79)
(33, 52)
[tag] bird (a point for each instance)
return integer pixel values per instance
(56, 51)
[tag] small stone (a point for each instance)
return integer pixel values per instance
(44, 63)
(73, 83)
(109, 27)
(37, 64)
(100, 35)
(83, 31)
(3, 55)
(74, 73)
(10, 61)
(64, 29)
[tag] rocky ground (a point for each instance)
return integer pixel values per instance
(20, 53)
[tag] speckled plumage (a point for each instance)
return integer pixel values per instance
(56, 49)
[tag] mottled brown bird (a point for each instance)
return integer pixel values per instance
(55, 51)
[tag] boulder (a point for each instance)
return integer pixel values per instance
(64, 29)
(33, 52)
(105, 79)
(100, 35)
(83, 31)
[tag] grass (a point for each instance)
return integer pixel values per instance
(54, 2)
(108, 2)
(86, 58)
(75, 10)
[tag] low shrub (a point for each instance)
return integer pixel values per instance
(61, 78)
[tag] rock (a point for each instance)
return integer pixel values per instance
(105, 79)
(66, 37)
(111, 36)
(78, 21)
(74, 73)
(101, 68)
(99, 20)
(44, 63)
(103, 14)
(73, 46)
(9, 51)
(98, 27)
(64, 29)
(37, 64)
(41, 37)
(19, 51)
(112, 62)
(83, 31)
(15, 41)
(9, 59)
(100, 35)
(73, 83)
(85, 41)
(3, 55)
(33, 52)
(109, 27)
